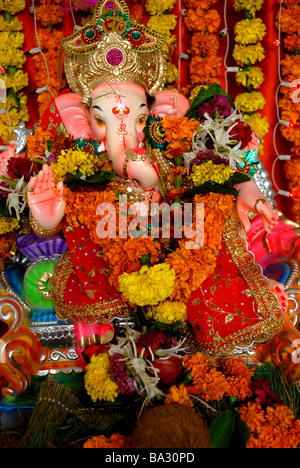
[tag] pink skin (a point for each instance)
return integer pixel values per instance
(118, 114)
(279, 291)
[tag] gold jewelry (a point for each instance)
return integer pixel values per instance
(251, 215)
(115, 48)
(132, 156)
(260, 200)
(42, 232)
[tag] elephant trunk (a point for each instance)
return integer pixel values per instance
(129, 161)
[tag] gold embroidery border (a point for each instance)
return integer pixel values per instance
(268, 307)
(104, 311)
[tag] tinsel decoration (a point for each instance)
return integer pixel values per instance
(56, 402)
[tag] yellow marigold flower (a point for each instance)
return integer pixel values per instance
(98, 382)
(12, 6)
(178, 395)
(17, 82)
(210, 172)
(12, 57)
(154, 7)
(8, 225)
(73, 161)
(172, 73)
(250, 102)
(149, 286)
(162, 24)
(168, 312)
(6, 41)
(195, 92)
(13, 25)
(242, 54)
(250, 31)
(250, 5)
(259, 124)
(254, 77)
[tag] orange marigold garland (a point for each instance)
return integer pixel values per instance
(48, 14)
(203, 22)
(289, 103)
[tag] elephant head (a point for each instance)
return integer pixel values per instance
(116, 117)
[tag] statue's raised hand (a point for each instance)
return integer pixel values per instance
(45, 199)
(251, 202)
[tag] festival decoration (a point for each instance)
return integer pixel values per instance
(120, 359)
(13, 78)
(48, 15)
(164, 24)
(248, 53)
(289, 102)
(203, 21)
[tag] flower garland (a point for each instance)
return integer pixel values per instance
(203, 22)
(12, 59)
(164, 24)
(248, 52)
(289, 101)
(48, 14)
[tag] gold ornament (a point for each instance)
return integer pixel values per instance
(260, 200)
(115, 48)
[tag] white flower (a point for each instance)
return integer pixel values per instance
(17, 199)
(144, 372)
(217, 132)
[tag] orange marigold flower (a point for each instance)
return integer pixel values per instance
(178, 128)
(273, 428)
(238, 378)
(205, 70)
(203, 43)
(178, 395)
(114, 441)
(210, 383)
(201, 20)
(204, 4)
(36, 144)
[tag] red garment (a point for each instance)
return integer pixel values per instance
(235, 307)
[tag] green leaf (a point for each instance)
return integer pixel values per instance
(210, 187)
(99, 178)
(229, 431)
(205, 95)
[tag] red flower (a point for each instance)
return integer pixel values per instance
(151, 340)
(93, 350)
(242, 132)
(21, 166)
(265, 395)
(169, 369)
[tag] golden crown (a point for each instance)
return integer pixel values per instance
(115, 48)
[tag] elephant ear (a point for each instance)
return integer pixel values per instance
(73, 115)
(169, 102)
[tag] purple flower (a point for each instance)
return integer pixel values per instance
(119, 372)
(209, 155)
(52, 158)
(220, 104)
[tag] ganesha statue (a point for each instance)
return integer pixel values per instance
(120, 150)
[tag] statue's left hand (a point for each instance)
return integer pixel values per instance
(249, 202)
(45, 199)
